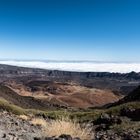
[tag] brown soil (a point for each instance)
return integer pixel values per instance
(67, 94)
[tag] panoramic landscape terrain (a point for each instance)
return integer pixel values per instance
(105, 105)
(69, 69)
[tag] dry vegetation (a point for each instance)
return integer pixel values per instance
(24, 117)
(39, 121)
(69, 127)
(63, 126)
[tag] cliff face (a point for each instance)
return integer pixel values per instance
(18, 71)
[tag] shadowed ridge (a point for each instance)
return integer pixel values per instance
(133, 96)
(23, 101)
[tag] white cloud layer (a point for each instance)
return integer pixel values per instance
(78, 66)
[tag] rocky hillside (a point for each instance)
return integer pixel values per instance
(133, 96)
(14, 127)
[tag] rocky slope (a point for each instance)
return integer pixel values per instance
(133, 96)
(13, 127)
(26, 102)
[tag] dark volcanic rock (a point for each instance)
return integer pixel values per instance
(61, 137)
(66, 137)
(107, 119)
(134, 114)
(111, 135)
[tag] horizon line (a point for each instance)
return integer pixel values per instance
(69, 61)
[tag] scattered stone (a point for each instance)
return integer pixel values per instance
(65, 137)
(14, 128)
(4, 136)
(134, 114)
(61, 137)
(108, 120)
(36, 138)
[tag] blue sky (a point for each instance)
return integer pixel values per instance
(104, 30)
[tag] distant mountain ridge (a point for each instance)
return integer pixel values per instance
(124, 83)
(8, 69)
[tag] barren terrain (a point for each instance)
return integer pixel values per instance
(33, 101)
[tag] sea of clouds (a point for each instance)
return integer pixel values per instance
(78, 66)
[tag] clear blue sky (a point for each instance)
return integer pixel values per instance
(105, 30)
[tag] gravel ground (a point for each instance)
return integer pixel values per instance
(14, 128)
